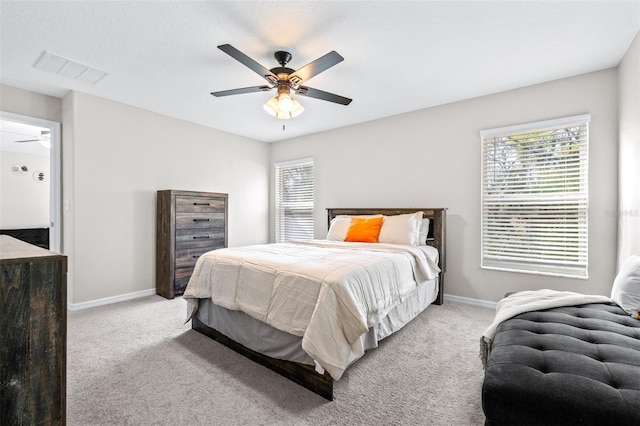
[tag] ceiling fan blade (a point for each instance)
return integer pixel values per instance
(242, 90)
(248, 62)
(321, 94)
(316, 67)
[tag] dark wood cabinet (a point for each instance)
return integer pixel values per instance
(188, 224)
(33, 334)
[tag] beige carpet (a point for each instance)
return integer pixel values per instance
(136, 363)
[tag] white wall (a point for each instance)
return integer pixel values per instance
(30, 104)
(431, 158)
(23, 102)
(629, 158)
(24, 201)
(115, 158)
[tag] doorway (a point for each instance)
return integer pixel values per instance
(30, 176)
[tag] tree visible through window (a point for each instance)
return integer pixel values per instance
(294, 200)
(535, 197)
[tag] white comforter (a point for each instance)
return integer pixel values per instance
(328, 292)
(529, 301)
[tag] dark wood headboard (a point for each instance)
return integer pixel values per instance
(437, 230)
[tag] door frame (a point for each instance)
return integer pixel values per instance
(55, 181)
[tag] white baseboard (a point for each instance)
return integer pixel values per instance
(469, 301)
(150, 292)
(109, 300)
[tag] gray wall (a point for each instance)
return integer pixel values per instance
(24, 201)
(431, 158)
(115, 158)
(23, 102)
(629, 158)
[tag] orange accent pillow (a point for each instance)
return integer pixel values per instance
(363, 230)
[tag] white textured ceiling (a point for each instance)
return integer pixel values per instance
(400, 56)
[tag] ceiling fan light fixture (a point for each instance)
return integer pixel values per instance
(296, 109)
(272, 107)
(285, 103)
(292, 107)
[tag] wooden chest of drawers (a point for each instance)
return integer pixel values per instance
(188, 224)
(33, 334)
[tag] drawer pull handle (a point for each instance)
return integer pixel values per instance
(200, 204)
(201, 220)
(195, 256)
(201, 237)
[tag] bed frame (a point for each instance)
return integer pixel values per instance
(36, 236)
(305, 375)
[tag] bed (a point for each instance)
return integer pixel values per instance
(325, 302)
(36, 236)
(565, 365)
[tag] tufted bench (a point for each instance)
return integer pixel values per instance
(565, 366)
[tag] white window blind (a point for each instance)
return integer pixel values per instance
(535, 197)
(294, 200)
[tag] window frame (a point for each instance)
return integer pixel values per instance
(574, 203)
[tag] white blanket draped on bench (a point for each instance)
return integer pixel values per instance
(528, 301)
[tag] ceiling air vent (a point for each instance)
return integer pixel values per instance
(71, 69)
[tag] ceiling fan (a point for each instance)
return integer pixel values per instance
(285, 80)
(44, 134)
(44, 139)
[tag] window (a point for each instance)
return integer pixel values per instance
(535, 197)
(294, 200)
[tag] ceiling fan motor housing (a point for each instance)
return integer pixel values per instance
(282, 57)
(282, 73)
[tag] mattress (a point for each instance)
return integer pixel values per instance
(564, 366)
(279, 344)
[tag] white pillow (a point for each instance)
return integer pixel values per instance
(401, 229)
(340, 225)
(424, 232)
(626, 287)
